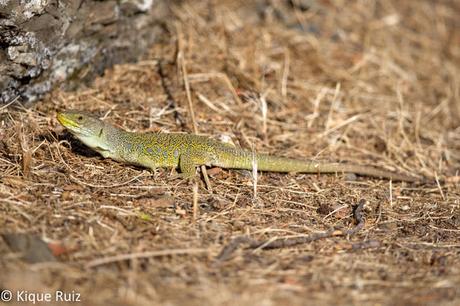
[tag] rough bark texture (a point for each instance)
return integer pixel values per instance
(45, 42)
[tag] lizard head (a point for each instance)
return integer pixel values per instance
(89, 129)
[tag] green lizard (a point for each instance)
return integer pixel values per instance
(187, 151)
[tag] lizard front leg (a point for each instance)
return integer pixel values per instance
(186, 165)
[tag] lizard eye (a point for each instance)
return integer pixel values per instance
(80, 118)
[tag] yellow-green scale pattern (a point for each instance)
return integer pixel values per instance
(188, 151)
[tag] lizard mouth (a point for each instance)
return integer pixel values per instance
(66, 121)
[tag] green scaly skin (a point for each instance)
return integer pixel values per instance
(187, 151)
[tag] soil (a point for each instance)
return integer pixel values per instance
(369, 82)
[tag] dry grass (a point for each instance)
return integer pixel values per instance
(374, 82)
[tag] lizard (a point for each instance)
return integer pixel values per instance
(188, 151)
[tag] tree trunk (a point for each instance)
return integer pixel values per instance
(46, 42)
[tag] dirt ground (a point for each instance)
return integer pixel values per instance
(369, 82)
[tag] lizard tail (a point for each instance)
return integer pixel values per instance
(283, 164)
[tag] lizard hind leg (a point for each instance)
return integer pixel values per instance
(187, 166)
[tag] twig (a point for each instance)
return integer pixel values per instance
(195, 201)
(264, 111)
(254, 173)
(183, 68)
(75, 180)
(391, 192)
(278, 243)
(367, 244)
(172, 105)
(123, 257)
(9, 103)
(331, 109)
(26, 152)
(439, 187)
(181, 62)
(201, 77)
(339, 126)
(284, 79)
(359, 218)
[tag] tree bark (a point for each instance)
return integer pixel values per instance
(46, 42)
